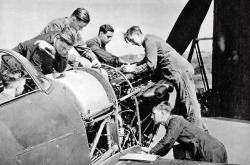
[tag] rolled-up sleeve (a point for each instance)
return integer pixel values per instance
(150, 60)
(83, 49)
(173, 131)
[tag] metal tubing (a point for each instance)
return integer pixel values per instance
(130, 94)
(97, 137)
(205, 38)
(108, 135)
(191, 52)
(201, 70)
(101, 111)
(204, 71)
(139, 119)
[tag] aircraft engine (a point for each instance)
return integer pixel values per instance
(116, 110)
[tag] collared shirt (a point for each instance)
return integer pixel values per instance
(100, 51)
(159, 54)
(42, 61)
(58, 24)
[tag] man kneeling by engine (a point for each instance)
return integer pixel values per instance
(194, 143)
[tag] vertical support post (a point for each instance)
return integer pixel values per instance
(97, 137)
(191, 52)
(108, 135)
(202, 67)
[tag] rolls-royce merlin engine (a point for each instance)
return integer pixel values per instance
(116, 107)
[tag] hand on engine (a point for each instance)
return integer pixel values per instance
(121, 61)
(83, 62)
(128, 68)
(96, 63)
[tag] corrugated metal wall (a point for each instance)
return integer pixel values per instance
(231, 59)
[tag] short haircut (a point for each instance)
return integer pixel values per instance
(130, 31)
(163, 106)
(105, 28)
(8, 77)
(81, 14)
(68, 35)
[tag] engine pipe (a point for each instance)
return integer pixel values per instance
(97, 137)
(163, 89)
(108, 135)
(130, 94)
(98, 113)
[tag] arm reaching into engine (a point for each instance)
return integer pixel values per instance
(129, 68)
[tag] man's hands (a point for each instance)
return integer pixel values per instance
(96, 63)
(121, 61)
(83, 62)
(45, 46)
(129, 68)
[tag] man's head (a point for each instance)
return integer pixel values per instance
(106, 33)
(134, 35)
(161, 112)
(65, 40)
(13, 80)
(79, 19)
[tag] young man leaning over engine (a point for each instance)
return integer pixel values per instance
(98, 46)
(194, 143)
(48, 52)
(78, 20)
(173, 67)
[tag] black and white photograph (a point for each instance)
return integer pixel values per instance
(124, 82)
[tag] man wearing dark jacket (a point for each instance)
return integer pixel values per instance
(194, 143)
(167, 64)
(98, 46)
(48, 52)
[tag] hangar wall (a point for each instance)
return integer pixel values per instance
(231, 59)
